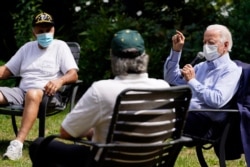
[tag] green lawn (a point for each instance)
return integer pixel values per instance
(187, 157)
(7, 134)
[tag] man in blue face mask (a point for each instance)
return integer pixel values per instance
(44, 65)
(43, 29)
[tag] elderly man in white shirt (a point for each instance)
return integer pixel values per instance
(92, 114)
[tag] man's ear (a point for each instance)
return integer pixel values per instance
(226, 44)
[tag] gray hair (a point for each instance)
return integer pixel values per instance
(224, 32)
(124, 66)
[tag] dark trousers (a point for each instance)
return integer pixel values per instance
(59, 154)
(210, 125)
(207, 125)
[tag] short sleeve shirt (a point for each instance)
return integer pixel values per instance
(38, 66)
(95, 108)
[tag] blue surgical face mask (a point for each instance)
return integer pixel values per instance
(45, 39)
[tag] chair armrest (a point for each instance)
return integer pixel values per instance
(214, 110)
(78, 82)
(48, 139)
(182, 139)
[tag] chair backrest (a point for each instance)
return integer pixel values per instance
(144, 126)
(75, 49)
(243, 104)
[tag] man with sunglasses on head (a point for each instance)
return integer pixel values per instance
(44, 66)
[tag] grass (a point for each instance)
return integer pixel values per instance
(7, 134)
(187, 157)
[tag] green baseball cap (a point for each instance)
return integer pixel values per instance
(127, 44)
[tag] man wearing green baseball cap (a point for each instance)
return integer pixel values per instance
(91, 116)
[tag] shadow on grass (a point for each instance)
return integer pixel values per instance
(3, 146)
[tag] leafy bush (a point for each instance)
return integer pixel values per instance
(92, 24)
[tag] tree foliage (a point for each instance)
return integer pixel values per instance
(92, 24)
(239, 24)
(23, 20)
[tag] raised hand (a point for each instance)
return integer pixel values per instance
(178, 41)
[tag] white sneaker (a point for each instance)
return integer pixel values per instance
(14, 150)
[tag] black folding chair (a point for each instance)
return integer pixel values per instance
(67, 97)
(145, 127)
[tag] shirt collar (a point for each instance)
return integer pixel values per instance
(217, 62)
(132, 76)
